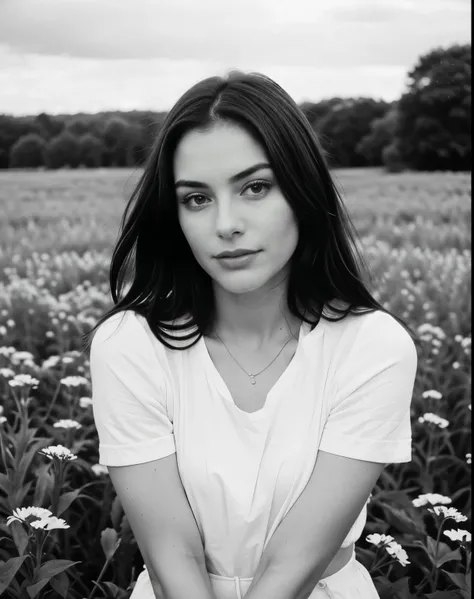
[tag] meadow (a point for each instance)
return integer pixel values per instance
(63, 532)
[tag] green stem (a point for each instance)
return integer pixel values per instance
(55, 396)
(430, 449)
(468, 559)
(104, 567)
(59, 470)
(39, 547)
(420, 585)
(435, 570)
(2, 451)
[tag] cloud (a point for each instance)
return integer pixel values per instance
(342, 33)
(88, 55)
(31, 84)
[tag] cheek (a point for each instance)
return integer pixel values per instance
(193, 234)
(283, 232)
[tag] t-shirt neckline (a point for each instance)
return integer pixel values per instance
(217, 380)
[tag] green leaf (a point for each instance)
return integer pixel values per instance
(66, 499)
(431, 549)
(112, 589)
(8, 570)
(20, 536)
(401, 589)
(448, 556)
(5, 484)
(44, 484)
(54, 567)
(462, 581)
(60, 583)
(442, 553)
(34, 589)
(390, 590)
(109, 541)
(401, 520)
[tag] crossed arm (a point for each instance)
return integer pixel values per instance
(314, 529)
(297, 554)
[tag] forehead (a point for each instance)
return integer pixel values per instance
(219, 152)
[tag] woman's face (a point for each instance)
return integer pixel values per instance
(217, 213)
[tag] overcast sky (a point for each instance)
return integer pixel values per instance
(68, 56)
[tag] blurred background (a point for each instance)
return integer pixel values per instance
(86, 83)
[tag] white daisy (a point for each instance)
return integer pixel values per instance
(432, 499)
(463, 536)
(58, 451)
(447, 513)
(67, 424)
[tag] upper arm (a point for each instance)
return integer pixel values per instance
(154, 500)
(129, 395)
(136, 439)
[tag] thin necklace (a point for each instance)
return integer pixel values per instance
(252, 376)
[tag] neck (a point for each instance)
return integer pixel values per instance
(256, 319)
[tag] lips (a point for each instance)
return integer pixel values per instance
(236, 254)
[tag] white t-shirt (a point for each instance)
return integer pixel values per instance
(346, 391)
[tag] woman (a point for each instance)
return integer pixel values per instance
(246, 406)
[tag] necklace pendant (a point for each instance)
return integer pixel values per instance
(252, 378)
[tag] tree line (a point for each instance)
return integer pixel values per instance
(428, 128)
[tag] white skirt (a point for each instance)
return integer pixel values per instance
(352, 581)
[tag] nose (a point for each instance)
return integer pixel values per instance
(228, 219)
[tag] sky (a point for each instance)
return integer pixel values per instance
(70, 56)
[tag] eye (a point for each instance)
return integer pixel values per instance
(187, 199)
(197, 206)
(259, 183)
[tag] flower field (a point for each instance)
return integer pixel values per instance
(63, 532)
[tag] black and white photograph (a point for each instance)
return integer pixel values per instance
(235, 299)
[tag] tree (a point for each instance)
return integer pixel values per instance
(117, 133)
(11, 129)
(3, 159)
(90, 151)
(47, 126)
(62, 150)
(434, 123)
(381, 135)
(78, 127)
(344, 126)
(27, 151)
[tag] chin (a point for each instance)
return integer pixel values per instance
(240, 283)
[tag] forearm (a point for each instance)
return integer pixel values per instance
(180, 577)
(288, 580)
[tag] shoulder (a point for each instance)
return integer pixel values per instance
(380, 338)
(127, 335)
(125, 345)
(374, 334)
(382, 328)
(118, 331)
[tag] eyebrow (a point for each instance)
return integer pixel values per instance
(233, 179)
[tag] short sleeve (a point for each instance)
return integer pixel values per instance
(370, 414)
(128, 394)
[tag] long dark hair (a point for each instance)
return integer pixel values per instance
(152, 256)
